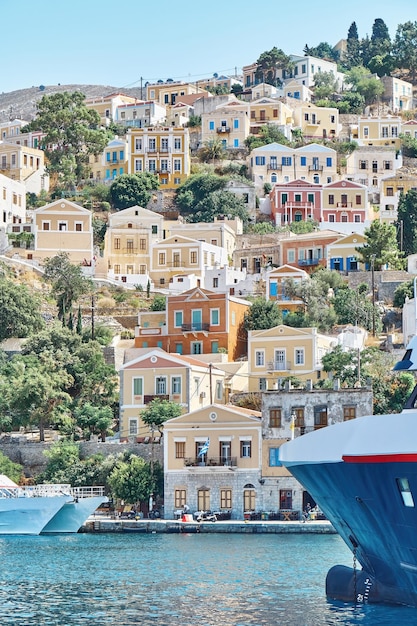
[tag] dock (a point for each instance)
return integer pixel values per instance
(109, 525)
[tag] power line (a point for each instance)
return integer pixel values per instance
(176, 78)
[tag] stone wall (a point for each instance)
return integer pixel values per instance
(31, 454)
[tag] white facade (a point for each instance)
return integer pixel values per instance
(12, 206)
(140, 114)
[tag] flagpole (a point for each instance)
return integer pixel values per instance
(292, 425)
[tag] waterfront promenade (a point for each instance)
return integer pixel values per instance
(101, 524)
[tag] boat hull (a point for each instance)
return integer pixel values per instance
(26, 515)
(72, 515)
(355, 479)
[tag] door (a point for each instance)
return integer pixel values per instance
(196, 319)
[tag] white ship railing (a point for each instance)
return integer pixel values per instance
(86, 492)
(50, 490)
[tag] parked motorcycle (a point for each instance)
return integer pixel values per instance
(206, 516)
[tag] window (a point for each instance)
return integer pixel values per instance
(62, 226)
(260, 160)
(154, 229)
(161, 258)
(180, 449)
(285, 499)
(211, 125)
(180, 498)
(405, 491)
(177, 165)
(138, 389)
(236, 123)
(215, 282)
(133, 427)
(291, 256)
(177, 142)
(286, 160)
(274, 457)
(262, 384)
(176, 259)
(178, 319)
(160, 386)
(245, 449)
(193, 256)
(358, 199)
(320, 417)
(349, 413)
(138, 144)
(275, 418)
(225, 498)
(142, 244)
(331, 198)
(298, 412)
(176, 384)
(196, 347)
(390, 191)
(203, 499)
(46, 226)
(259, 358)
(214, 317)
(329, 161)
(249, 499)
(303, 160)
(299, 356)
(78, 227)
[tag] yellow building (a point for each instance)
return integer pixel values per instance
(179, 254)
(228, 122)
(212, 460)
(391, 190)
(317, 122)
(169, 92)
(24, 164)
(161, 150)
(379, 130)
(150, 374)
(128, 241)
(342, 255)
(106, 106)
(283, 351)
(270, 111)
(64, 226)
(277, 287)
(112, 163)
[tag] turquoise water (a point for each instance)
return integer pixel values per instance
(181, 580)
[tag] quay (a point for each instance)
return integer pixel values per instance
(108, 525)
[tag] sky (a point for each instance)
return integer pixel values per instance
(102, 42)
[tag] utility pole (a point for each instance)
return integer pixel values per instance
(211, 382)
(93, 304)
(373, 292)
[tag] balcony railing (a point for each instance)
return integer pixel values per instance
(213, 461)
(223, 129)
(279, 366)
(344, 205)
(308, 262)
(147, 399)
(315, 168)
(195, 327)
(275, 167)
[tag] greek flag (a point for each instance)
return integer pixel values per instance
(205, 447)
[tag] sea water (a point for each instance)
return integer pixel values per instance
(181, 580)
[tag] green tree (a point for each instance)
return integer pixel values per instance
(14, 471)
(342, 364)
(261, 228)
(62, 455)
(159, 303)
(269, 133)
(354, 306)
(158, 412)
(263, 314)
(325, 84)
(68, 282)
(323, 50)
(133, 189)
(71, 133)
(303, 226)
(220, 203)
(351, 102)
(352, 56)
(196, 188)
(19, 311)
(134, 480)
(213, 150)
(405, 48)
(363, 83)
(381, 246)
(94, 420)
(409, 146)
(403, 291)
(406, 225)
(270, 62)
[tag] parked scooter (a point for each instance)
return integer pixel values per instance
(206, 516)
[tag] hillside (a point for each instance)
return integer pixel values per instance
(21, 104)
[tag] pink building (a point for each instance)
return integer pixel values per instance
(296, 201)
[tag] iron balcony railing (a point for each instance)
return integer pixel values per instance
(279, 366)
(195, 327)
(276, 167)
(147, 399)
(213, 461)
(308, 262)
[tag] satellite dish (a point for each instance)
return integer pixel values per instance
(215, 75)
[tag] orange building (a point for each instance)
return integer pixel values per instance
(198, 322)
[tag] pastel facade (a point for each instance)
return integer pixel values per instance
(307, 251)
(128, 242)
(106, 106)
(304, 68)
(111, 164)
(296, 201)
(342, 255)
(161, 150)
(277, 281)
(180, 254)
(12, 208)
(283, 351)
(345, 207)
(169, 92)
(226, 477)
(140, 114)
(218, 233)
(64, 226)
(369, 165)
(317, 122)
(229, 123)
(199, 321)
(398, 94)
(391, 190)
(276, 163)
(154, 374)
(24, 164)
(269, 111)
(381, 130)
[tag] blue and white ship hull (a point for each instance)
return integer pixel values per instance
(28, 515)
(363, 475)
(72, 515)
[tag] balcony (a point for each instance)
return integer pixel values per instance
(315, 168)
(163, 171)
(308, 262)
(148, 399)
(274, 167)
(213, 461)
(223, 129)
(279, 366)
(189, 328)
(344, 205)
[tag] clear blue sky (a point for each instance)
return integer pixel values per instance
(116, 43)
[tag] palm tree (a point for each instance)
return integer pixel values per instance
(213, 150)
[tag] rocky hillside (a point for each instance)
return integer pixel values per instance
(21, 104)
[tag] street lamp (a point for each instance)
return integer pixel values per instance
(373, 292)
